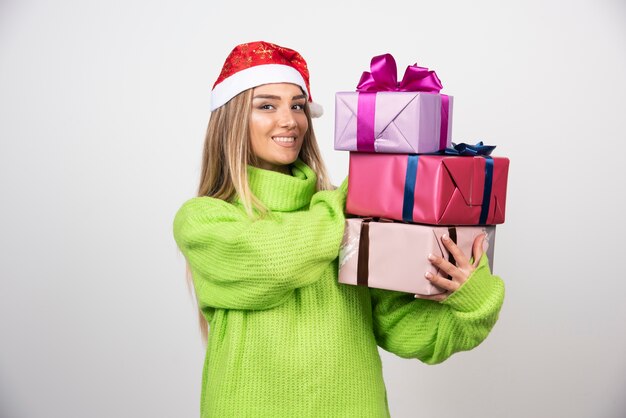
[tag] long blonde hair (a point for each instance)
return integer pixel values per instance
(226, 155)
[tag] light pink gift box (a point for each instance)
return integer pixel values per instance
(393, 255)
(404, 122)
(445, 190)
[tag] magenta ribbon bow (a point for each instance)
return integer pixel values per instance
(383, 77)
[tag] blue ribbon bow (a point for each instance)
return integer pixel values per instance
(469, 150)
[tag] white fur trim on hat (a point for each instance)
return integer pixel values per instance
(253, 77)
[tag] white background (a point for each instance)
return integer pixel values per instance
(103, 108)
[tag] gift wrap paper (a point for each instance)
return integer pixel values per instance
(399, 122)
(430, 189)
(393, 255)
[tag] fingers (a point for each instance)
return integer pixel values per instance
(439, 297)
(477, 248)
(443, 265)
(461, 259)
(441, 282)
(436, 279)
(460, 272)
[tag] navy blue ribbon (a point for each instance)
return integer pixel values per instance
(409, 188)
(484, 210)
(469, 150)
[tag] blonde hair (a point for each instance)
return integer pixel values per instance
(225, 159)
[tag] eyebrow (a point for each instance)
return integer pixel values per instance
(271, 96)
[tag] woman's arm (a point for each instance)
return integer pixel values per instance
(432, 331)
(239, 263)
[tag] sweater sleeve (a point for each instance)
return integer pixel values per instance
(240, 263)
(433, 331)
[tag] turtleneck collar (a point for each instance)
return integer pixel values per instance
(281, 192)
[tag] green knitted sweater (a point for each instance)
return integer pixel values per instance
(286, 339)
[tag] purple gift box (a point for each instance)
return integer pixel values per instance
(399, 122)
(390, 116)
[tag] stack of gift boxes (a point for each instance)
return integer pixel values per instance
(408, 185)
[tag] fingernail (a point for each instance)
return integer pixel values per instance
(445, 237)
(431, 257)
(428, 275)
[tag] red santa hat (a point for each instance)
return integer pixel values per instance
(255, 63)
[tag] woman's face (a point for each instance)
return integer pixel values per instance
(277, 125)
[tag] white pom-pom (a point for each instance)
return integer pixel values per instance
(316, 110)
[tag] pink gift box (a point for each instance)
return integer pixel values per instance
(393, 255)
(392, 122)
(430, 189)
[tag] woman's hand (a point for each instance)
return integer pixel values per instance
(459, 273)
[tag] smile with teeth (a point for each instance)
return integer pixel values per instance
(284, 138)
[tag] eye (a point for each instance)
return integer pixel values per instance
(266, 106)
(299, 106)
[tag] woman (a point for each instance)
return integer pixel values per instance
(261, 242)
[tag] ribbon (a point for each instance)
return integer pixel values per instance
(452, 235)
(409, 188)
(362, 267)
(383, 77)
(469, 150)
(365, 122)
(443, 129)
(484, 210)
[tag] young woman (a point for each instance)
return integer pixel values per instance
(261, 241)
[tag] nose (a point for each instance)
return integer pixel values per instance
(286, 119)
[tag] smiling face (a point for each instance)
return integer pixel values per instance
(277, 125)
